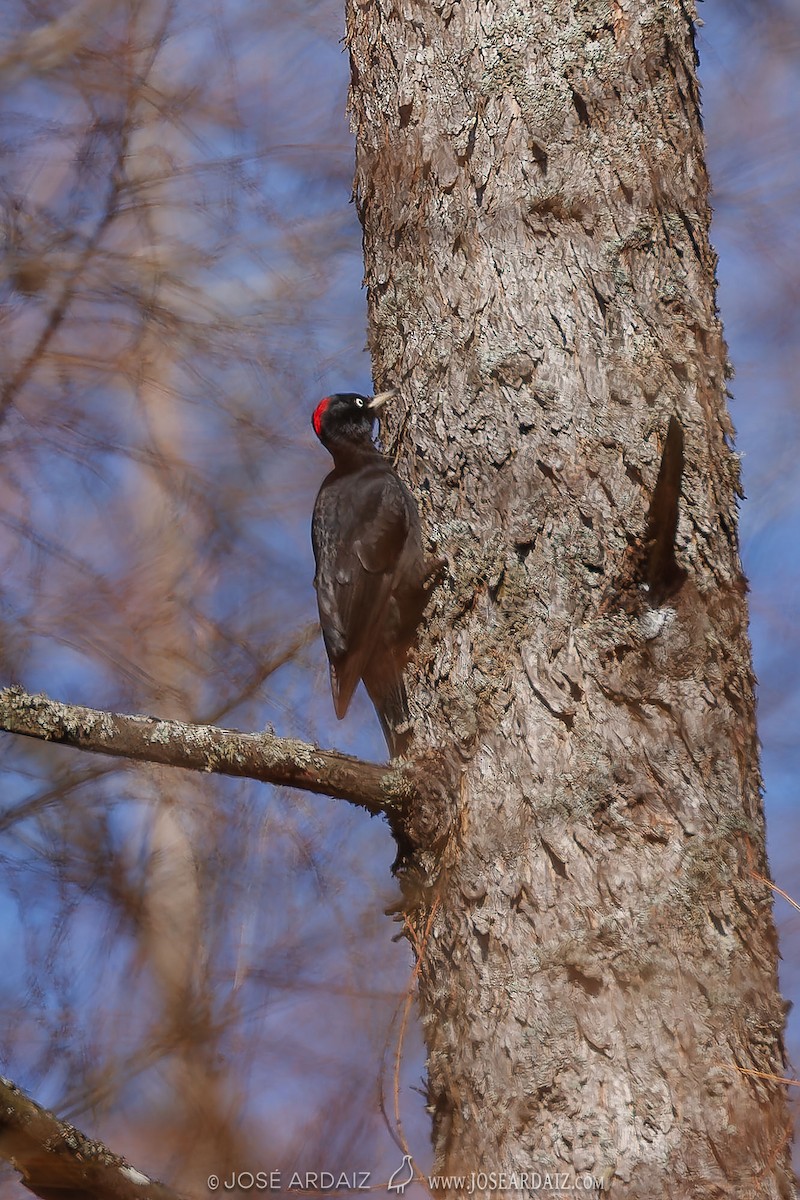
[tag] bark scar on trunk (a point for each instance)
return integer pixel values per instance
(650, 572)
(660, 570)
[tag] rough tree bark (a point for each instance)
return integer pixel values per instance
(598, 976)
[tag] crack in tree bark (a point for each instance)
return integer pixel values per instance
(662, 573)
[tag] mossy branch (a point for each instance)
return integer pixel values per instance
(262, 756)
(56, 1159)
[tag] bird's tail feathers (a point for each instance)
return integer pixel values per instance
(387, 691)
(343, 684)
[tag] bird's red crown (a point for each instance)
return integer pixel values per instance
(319, 413)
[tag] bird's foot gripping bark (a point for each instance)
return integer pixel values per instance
(435, 569)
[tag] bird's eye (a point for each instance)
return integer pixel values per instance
(359, 402)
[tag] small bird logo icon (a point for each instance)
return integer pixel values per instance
(398, 1183)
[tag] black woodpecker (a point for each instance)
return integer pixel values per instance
(371, 573)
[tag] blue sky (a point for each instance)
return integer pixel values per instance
(750, 73)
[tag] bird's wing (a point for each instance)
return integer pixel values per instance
(382, 538)
(374, 532)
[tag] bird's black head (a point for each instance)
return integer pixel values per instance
(347, 419)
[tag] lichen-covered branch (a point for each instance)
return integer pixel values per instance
(262, 756)
(56, 1159)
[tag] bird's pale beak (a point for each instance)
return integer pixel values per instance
(381, 398)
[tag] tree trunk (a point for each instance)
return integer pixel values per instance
(598, 957)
